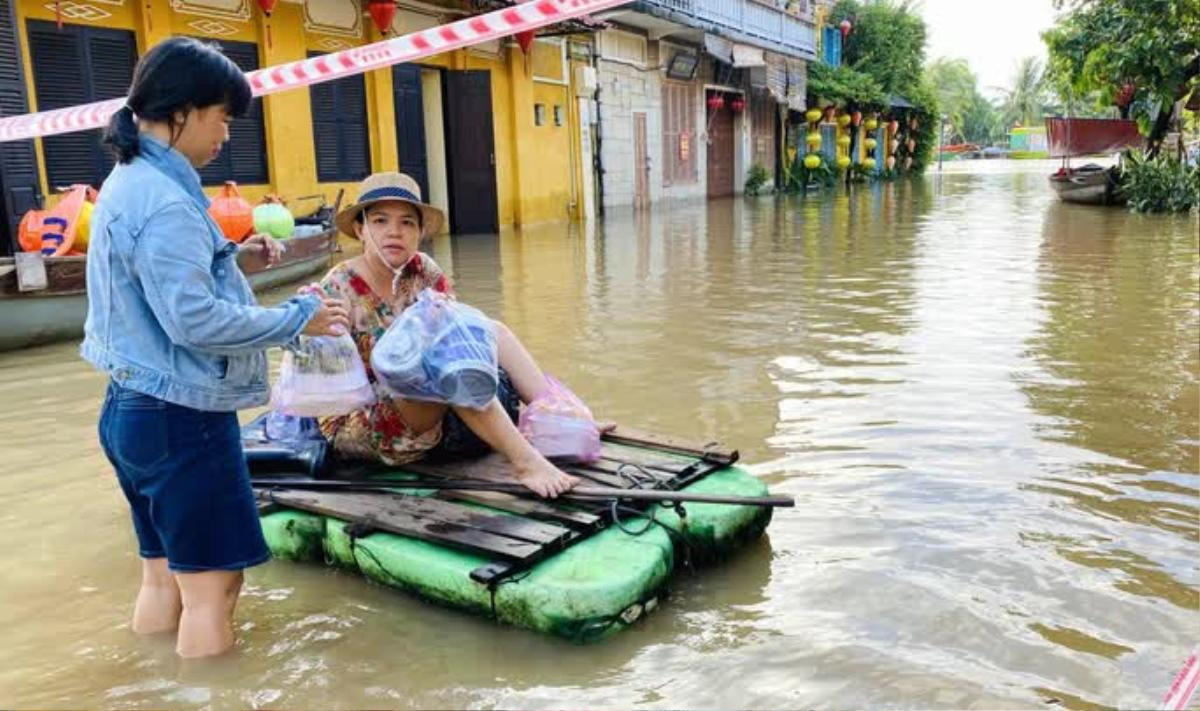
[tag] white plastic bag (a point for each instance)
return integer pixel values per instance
(439, 350)
(322, 376)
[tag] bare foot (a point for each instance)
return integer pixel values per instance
(543, 478)
(606, 427)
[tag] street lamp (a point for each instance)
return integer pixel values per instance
(941, 138)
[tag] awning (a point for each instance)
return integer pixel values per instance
(797, 84)
(772, 76)
(1080, 137)
(899, 102)
(719, 47)
(746, 56)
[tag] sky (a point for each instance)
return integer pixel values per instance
(992, 35)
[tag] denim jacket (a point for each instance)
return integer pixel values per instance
(170, 314)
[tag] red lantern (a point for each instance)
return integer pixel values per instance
(856, 118)
(267, 6)
(845, 27)
(382, 12)
(525, 40)
(738, 104)
(716, 102)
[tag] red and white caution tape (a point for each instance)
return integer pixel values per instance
(348, 62)
(1184, 685)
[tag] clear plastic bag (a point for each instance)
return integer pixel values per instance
(439, 350)
(560, 426)
(322, 376)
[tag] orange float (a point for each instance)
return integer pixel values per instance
(232, 213)
(64, 229)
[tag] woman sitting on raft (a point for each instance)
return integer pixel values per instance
(377, 286)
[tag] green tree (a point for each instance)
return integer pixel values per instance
(887, 42)
(982, 122)
(1150, 45)
(955, 86)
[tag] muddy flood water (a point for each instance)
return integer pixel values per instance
(986, 403)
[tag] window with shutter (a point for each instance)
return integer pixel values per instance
(77, 65)
(339, 119)
(244, 157)
(18, 162)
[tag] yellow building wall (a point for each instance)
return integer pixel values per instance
(538, 169)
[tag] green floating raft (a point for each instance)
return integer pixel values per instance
(572, 572)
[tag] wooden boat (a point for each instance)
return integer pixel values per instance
(1090, 184)
(1071, 137)
(57, 312)
(578, 570)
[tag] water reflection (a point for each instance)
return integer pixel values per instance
(985, 402)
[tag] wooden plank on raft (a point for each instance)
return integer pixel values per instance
(472, 517)
(712, 451)
(540, 510)
(389, 512)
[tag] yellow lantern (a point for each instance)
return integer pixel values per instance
(871, 124)
(812, 161)
(814, 140)
(843, 162)
(843, 141)
(869, 144)
(813, 115)
(869, 163)
(844, 120)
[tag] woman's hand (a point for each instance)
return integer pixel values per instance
(260, 251)
(332, 319)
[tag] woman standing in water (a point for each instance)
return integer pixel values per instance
(174, 323)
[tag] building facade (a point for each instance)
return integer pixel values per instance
(525, 166)
(692, 93)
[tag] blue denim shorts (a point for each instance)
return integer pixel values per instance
(184, 475)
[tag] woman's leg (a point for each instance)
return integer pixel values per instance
(527, 377)
(534, 471)
(158, 602)
(209, 598)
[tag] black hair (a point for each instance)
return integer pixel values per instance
(178, 74)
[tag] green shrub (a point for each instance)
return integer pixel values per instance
(1160, 184)
(756, 179)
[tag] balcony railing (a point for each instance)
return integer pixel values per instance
(742, 20)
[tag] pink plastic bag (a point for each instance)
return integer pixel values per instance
(560, 426)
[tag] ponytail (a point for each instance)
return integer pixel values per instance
(122, 135)
(176, 75)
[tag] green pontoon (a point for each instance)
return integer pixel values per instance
(580, 570)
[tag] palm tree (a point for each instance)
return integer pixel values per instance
(1025, 100)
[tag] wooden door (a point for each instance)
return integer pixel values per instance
(471, 152)
(720, 152)
(641, 163)
(410, 124)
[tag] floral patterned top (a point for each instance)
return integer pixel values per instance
(379, 433)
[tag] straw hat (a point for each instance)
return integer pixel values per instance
(381, 187)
